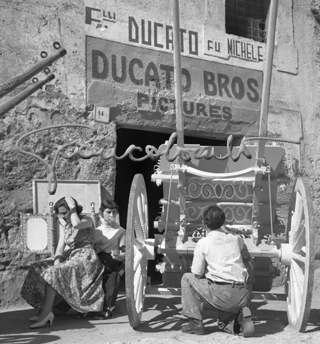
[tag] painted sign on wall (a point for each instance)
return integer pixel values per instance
(130, 71)
(226, 47)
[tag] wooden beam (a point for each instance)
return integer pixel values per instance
(177, 73)
(271, 30)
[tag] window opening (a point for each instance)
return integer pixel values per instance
(247, 18)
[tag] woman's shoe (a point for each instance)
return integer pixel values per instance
(82, 315)
(34, 318)
(101, 316)
(49, 318)
(108, 314)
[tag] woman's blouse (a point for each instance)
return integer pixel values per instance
(107, 237)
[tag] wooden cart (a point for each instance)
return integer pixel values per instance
(247, 194)
(245, 189)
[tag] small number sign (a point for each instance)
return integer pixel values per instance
(102, 114)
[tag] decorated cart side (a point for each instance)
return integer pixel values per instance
(242, 180)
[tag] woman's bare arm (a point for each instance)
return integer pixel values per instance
(60, 246)
(80, 223)
(74, 217)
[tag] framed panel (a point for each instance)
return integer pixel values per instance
(84, 191)
(38, 233)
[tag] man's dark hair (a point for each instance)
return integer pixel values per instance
(213, 217)
(63, 203)
(108, 204)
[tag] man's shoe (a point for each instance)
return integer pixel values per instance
(228, 328)
(195, 326)
(245, 322)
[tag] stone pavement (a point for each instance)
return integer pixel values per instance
(161, 323)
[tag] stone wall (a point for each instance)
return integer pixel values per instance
(25, 33)
(304, 96)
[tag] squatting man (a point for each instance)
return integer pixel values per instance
(223, 286)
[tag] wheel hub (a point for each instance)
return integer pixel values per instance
(286, 254)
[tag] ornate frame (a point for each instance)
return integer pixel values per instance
(51, 224)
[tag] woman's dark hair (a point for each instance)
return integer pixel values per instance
(108, 204)
(63, 203)
(213, 217)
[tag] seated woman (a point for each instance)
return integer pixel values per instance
(75, 274)
(109, 238)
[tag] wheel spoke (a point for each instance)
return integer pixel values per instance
(298, 273)
(291, 297)
(137, 258)
(137, 281)
(139, 284)
(298, 257)
(296, 217)
(296, 296)
(145, 215)
(138, 228)
(140, 208)
(300, 238)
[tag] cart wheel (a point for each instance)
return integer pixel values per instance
(136, 261)
(301, 271)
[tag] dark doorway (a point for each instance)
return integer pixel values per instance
(126, 169)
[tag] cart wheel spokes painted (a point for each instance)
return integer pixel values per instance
(300, 273)
(136, 253)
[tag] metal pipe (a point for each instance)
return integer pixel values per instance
(179, 112)
(30, 72)
(244, 173)
(260, 155)
(273, 253)
(268, 67)
(12, 102)
(270, 205)
(273, 139)
(177, 73)
(272, 20)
